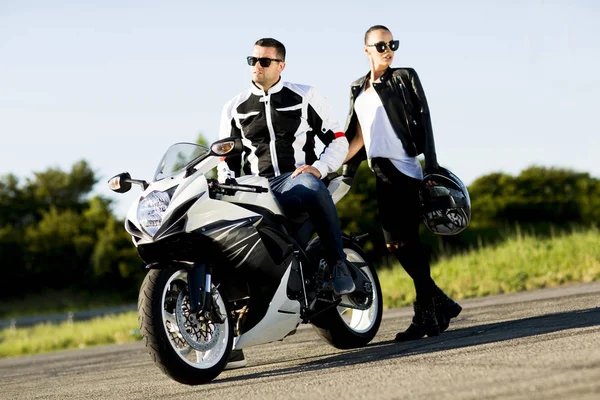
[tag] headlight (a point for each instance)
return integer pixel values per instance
(151, 211)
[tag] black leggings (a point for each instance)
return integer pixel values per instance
(399, 213)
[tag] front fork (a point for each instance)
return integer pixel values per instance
(201, 296)
(199, 281)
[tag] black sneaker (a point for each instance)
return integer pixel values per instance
(236, 360)
(342, 280)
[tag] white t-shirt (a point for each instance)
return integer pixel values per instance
(379, 136)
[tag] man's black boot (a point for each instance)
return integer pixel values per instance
(445, 309)
(423, 323)
(342, 279)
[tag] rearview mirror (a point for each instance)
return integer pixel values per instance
(120, 183)
(227, 147)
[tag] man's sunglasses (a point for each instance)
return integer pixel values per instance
(380, 46)
(265, 62)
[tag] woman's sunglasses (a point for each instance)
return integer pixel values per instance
(265, 62)
(381, 46)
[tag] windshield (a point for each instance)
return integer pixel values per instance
(177, 158)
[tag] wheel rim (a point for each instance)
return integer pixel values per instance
(360, 321)
(201, 344)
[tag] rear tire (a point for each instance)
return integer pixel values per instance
(161, 313)
(345, 331)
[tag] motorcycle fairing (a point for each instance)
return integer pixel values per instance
(240, 243)
(281, 317)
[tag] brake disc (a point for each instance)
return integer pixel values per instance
(201, 334)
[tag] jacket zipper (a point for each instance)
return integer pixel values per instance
(401, 87)
(266, 99)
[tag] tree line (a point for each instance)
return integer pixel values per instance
(55, 233)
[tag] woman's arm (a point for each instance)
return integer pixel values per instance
(431, 163)
(356, 144)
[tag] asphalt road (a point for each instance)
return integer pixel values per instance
(543, 344)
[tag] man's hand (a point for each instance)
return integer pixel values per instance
(306, 169)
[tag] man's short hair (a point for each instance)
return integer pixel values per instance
(374, 28)
(270, 42)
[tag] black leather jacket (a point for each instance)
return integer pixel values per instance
(405, 104)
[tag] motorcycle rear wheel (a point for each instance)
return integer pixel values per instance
(188, 349)
(347, 328)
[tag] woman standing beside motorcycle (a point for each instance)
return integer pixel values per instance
(389, 124)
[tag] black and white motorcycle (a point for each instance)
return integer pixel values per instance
(227, 269)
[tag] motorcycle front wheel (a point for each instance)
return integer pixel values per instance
(189, 348)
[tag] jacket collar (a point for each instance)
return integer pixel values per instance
(273, 89)
(358, 84)
(387, 74)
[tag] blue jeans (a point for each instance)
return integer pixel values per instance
(308, 194)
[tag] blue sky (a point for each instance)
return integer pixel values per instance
(510, 83)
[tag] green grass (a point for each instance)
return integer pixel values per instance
(61, 301)
(522, 262)
(44, 338)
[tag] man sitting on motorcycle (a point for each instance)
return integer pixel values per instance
(277, 122)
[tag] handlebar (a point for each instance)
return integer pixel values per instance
(244, 188)
(229, 188)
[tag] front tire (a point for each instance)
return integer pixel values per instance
(348, 328)
(191, 351)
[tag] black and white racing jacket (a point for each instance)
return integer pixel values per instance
(278, 130)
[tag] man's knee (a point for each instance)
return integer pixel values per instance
(310, 182)
(310, 186)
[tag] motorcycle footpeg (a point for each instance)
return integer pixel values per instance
(327, 287)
